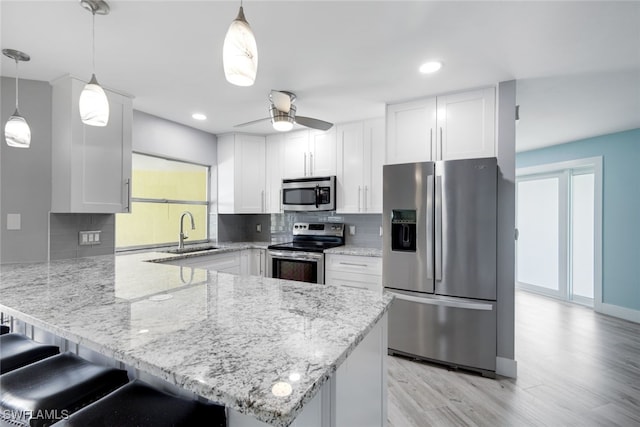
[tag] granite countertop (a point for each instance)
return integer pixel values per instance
(355, 250)
(225, 337)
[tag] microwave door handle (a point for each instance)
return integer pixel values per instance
(317, 195)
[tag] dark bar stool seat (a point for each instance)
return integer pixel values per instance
(139, 404)
(4, 329)
(44, 392)
(18, 350)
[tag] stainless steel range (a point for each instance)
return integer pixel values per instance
(302, 259)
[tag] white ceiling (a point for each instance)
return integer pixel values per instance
(577, 63)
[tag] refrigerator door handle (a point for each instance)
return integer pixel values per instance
(438, 227)
(430, 227)
(443, 303)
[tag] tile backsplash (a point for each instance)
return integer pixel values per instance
(64, 229)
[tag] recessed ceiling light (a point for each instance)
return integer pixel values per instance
(430, 67)
(199, 116)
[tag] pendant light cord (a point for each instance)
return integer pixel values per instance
(17, 83)
(93, 44)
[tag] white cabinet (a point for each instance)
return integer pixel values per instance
(355, 271)
(309, 153)
(359, 166)
(252, 262)
(466, 125)
(453, 126)
(274, 165)
(91, 166)
(241, 174)
(227, 262)
(410, 131)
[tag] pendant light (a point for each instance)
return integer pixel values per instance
(16, 130)
(94, 106)
(240, 52)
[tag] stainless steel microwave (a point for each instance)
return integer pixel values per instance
(309, 194)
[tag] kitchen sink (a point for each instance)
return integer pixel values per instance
(191, 249)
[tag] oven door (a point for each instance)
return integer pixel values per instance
(294, 265)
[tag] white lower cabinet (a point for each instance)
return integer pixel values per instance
(252, 262)
(355, 271)
(227, 262)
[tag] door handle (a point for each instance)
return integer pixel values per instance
(305, 164)
(127, 207)
(438, 227)
(431, 144)
(317, 195)
(310, 164)
(429, 222)
(366, 207)
(441, 156)
(442, 302)
(359, 190)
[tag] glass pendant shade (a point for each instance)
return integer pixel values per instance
(94, 106)
(17, 131)
(240, 53)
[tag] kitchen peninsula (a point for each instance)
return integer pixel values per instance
(275, 352)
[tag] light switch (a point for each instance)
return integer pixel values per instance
(13, 221)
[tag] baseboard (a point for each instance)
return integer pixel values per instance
(620, 312)
(506, 367)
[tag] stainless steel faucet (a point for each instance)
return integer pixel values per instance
(182, 235)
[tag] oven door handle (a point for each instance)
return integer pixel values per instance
(304, 256)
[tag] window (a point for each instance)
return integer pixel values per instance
(162, 190)
(558, 217)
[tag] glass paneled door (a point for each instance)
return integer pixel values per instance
(556, 228)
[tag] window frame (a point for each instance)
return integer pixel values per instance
(206, 203)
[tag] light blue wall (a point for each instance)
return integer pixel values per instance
(621, 210)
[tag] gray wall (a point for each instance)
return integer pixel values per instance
(242, 228)
(64, 235)
(25, 174)
(506, 148)
(164, 138)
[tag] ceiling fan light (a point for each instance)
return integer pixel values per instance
(283, 124)
(17, 132)
(94, 105)
(240, 53)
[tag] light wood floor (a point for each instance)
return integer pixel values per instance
(575, 368)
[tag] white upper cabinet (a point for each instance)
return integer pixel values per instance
(241, 174)
(359, 166)
(274, 165)
(410, 131)
(91, 166)
(466, 125)
(455, 126)
(309, 153)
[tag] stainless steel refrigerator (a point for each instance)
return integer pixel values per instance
(439, 260)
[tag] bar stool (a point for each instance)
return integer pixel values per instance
(18, 350)
(139, 404)
(46, 391)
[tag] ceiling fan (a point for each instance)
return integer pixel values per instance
(283, 114)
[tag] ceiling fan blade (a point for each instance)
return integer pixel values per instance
(281, 100)
(313, 123)
(253, 122)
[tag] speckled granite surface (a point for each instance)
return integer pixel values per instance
(227, 338)
(355, 250)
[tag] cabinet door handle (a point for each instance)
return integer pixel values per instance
(366, 207)
(353, 264)
(441, 157)
(281, 200)
(358, 198)
(305, 164)
(262, 202)
(310, 164)
(431, 143)
(127, 207)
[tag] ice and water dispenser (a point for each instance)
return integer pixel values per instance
(403, 230)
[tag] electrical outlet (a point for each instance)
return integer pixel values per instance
(352, 230)
(258, 228)
(86, 238)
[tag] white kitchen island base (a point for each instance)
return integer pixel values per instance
(274, 352)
